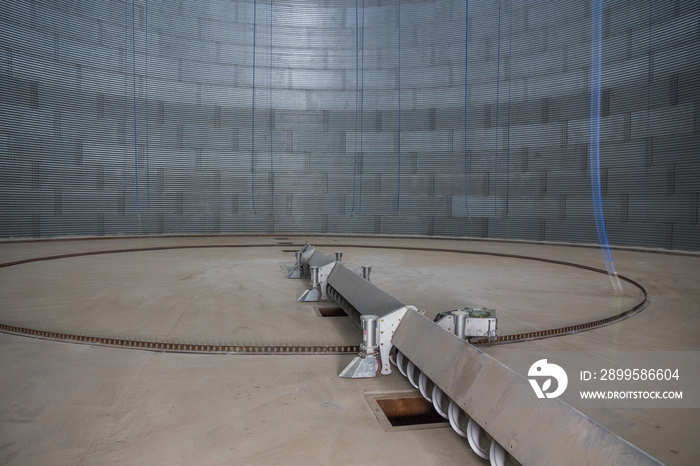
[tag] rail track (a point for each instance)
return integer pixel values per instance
(173, 347)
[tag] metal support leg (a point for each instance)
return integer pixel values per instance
(365, 272)
(460, 323)
(313, 293)
(367, 363)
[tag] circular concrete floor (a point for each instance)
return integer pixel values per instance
(209, 294)
(63, 403)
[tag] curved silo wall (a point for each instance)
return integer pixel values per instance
(343, 116)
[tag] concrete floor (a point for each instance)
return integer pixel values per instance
(63, 403)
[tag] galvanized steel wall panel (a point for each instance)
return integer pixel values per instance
(78, 123)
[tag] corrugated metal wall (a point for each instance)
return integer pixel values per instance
(343, 116)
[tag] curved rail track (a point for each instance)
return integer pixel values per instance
(303, 349)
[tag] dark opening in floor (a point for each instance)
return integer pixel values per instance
(330, 312)
(409, 410)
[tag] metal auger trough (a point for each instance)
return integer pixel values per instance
(486, 402)
(376, 312)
